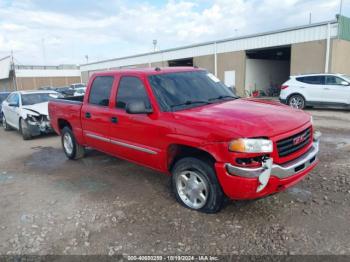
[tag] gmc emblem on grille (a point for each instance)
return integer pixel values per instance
(299, 139)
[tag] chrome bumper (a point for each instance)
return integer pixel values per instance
(281, 171)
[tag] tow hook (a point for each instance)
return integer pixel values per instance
(265, 175)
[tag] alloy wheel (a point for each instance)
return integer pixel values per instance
(296, 102)
(192, 189)
(68, 143)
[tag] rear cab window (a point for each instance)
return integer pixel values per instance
(100, 91)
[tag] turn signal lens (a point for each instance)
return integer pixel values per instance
(244, 145)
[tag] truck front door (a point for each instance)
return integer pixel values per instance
(134, 136)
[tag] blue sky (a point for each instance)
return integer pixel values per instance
(64, 31)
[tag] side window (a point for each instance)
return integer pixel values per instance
(131, 89)
(312, 80)
(101, 90)
(10, 98)
(333, 80)
(13, 99)
(16, 99)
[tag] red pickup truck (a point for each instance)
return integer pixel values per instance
(184, 122)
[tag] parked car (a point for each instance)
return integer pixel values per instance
(66, 91)
(3, 96)
(77, 85)
(80, 91)
(27, 111)
(316, 90)
(184, 122)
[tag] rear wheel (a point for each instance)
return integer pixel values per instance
(297, 102)
(4, 124)
(196, 186)
(24, 130)
(70, 146)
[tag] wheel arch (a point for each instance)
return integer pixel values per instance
(295, 93)
(176, 152)
(62, 123)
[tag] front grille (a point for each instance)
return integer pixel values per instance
(288, 145)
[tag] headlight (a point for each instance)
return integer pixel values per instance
(244, 145)
(32, 118)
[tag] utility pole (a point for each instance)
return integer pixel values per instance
(341, 7)
(87, 58)
(14, 80)
(155, 45)
(310, 18)
(44, 51)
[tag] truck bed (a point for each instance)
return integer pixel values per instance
(73, 99)
(66, 108)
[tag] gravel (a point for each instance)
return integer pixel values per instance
(103, 205)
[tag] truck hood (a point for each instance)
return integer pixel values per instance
(40, 109)
(244, 118)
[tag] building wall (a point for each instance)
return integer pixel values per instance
(206, 62)
(32, 83)
(308, 57)
(340, 59)
(6, 85)
(158, 64)
(85, 77)
(233, 61)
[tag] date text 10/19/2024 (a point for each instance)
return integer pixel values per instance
(173, 258)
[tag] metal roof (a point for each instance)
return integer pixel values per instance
(285, 36)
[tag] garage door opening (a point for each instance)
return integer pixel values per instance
(267, 70)
(181, 62)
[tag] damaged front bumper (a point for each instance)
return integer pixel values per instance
(39, 125)
(270, 177)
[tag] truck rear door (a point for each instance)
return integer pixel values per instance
(96, 113)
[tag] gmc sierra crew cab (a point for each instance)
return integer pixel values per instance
(184, 122)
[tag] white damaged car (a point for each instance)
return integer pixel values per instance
(27, 112)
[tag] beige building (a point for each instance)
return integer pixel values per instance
(21, 77)
(254, 62)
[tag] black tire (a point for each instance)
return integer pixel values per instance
(4, 124)
(23, 129)
(77, 151)
(296, 101)
(206, 174)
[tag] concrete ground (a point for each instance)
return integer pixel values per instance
(103, 205)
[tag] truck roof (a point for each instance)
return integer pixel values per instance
(150, 70)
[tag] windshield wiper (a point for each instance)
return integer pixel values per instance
(222, 97)
(189, 102)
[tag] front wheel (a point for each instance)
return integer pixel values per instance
(297, 102)
(196, 186)
(70, 146)
(24, 130)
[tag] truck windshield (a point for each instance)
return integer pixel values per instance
(31, 99)
(178, 91)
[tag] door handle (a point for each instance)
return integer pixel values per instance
(87, 115)
(326, 88)
(114, 120)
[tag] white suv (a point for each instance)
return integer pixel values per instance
(316, 90)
